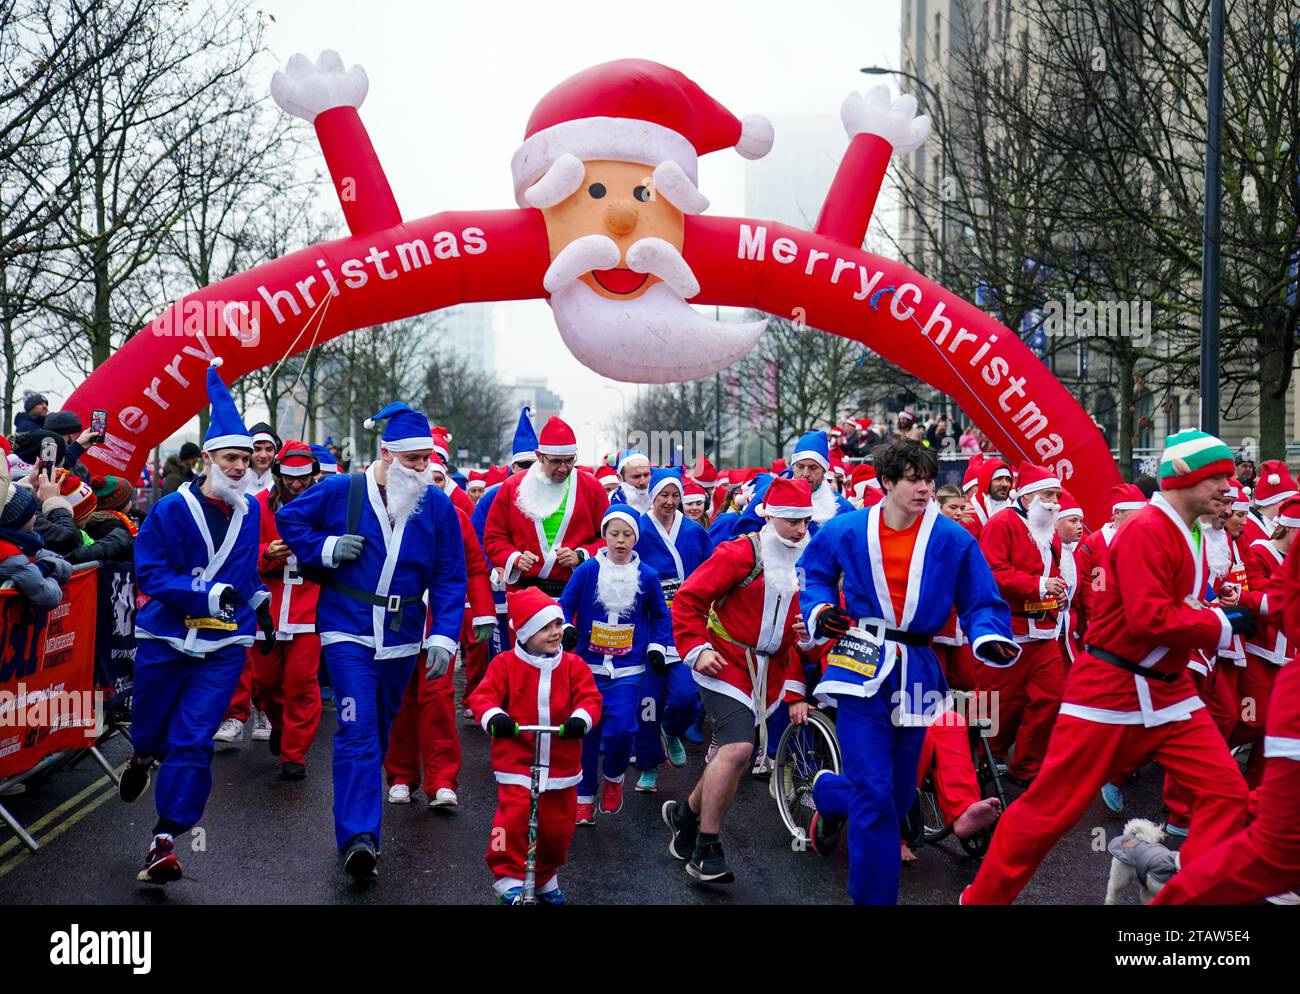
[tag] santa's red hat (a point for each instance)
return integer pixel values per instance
(1275, 483)
(440, 444)
(557, 439)
(837, 464)
(990, 470)
(1030, 479)
(605, 474)
(693, 493)
(1288, 515)
(629, 110)
(1240, 496)
(786, 498)
(1069, 506)
(971, 478)
(476, 479)
(1127, 497)
(864, 475)
(295, 459)
(530, 610)
(705, 475)
(778, 466)
(495, 475)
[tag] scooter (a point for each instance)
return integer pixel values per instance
(534, 794)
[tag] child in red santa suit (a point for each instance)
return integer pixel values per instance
(536, 683)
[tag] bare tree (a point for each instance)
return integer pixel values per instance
(472, 404)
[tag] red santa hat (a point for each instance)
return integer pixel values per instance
(786, 498)
(606, 475)
(557, 439)
(1069, 506)
(1275, 483)
(693, 493)
(629, 110)
(864, 476)
(837, 464)
(1030, 479)
(704, 474)
(778, 466)
(495, 475)
(476, 480)
(530, 610)
(1240, 497)
(1127, 497)
(295, 459)
(971, 478)
(1288, 515)
(441, 445)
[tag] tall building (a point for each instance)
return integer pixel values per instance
(469, 331)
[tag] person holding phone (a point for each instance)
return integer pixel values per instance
(77, 440)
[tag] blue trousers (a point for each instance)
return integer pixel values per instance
(616, 732)
(672, 699)
(178, 704)
(367, 696)
(875, 792)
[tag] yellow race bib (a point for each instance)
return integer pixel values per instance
(611, 640)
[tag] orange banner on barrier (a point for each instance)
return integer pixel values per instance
(47, 675)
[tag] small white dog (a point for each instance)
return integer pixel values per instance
(1138, 855)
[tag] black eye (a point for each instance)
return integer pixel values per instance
(597, 190)
(642, 193)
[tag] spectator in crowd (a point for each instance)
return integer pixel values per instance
(1246, 472)
(105, 521)
(54, 521)
(1147, 484)
(180, 468)
(30, 447)
(969, 443)
(32, 417)
(936, 434)
(77, 439)
(36, 572)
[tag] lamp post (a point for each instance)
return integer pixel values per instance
(1210, 235)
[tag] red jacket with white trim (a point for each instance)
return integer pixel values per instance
(478, 584)
(534, 690)
(1021, 568)
(510, 532)
(1263, 563)
(293, 598)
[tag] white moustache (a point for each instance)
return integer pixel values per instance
(652, 256)
(659, 258)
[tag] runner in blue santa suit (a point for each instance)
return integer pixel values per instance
(619, 624)
(406, 551)
(196, 560)
(811, 461)
(668, 699)
(523, 454)
(634, 472)
(888, 683)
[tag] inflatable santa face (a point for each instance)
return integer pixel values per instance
(610, 157)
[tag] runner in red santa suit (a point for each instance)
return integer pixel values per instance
(969, 481)
(1264, 859)
(1129, 699)
(1220, 692)
(1274, 485)
(1024, 553)
(546, 521)
(992, 490)
(1090, 556)
(284, 677)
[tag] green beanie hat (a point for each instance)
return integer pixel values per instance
(1191, 456)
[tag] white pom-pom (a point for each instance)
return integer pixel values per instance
(216, 361)
(368, 424)
(756, 136)
(1274, 479)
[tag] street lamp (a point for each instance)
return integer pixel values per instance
(1210, 236)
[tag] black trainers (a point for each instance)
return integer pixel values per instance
(685, 829)
(708, 865)
(360, 859)
(273, 743)
(293, 771)
(161, 865)
(135, 778)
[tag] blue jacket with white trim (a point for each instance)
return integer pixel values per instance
(652, 625)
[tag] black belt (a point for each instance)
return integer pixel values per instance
(393, 603)
(915, 639)
(1124, 664)
(547, 586)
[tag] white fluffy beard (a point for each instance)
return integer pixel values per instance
(993, 505)
(224, 488)
(635, 497)
(779, 557)
(538, 497)
(405, 490)
(824, 504)
(617, 586)
(655, 338)
(1042, 522)
(1217, 551)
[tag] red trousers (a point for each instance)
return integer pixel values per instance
(1254, 689)
(959, 665)
(557, 812)
(1264, 859)
(477, 656)
(244, 696)
(1086, 754)
(286, 688)
(947, 749)
(1028, 697)
(425, 730)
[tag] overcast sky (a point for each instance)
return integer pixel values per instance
(452, 85)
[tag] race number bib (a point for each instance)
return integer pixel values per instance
(1036, 607)
(1237, 576)
(670, 589)
(215, 624)
(857, 651)
(611, 640)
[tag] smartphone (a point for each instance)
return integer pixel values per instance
(49, 453)
(98, 422)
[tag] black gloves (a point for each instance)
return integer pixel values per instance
(574, 728)
(501, 726)
(1241, 620)
(657, 662)
(570, 639)
(1000, 651)
(832, 623)
(267, 626)
(229, 599)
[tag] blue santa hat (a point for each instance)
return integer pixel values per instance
(328, 464)
(407, 431)
(622, 512)
(524, 448)
(460, 480)
(660, 478)
(626, 456)
(812, 445)
(225, 426)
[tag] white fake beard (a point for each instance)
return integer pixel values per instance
(779, 557)
(655, 338)
(824, 504)
(405, 490)
(994, 505)
(1042, 522)
(1217, 552)
(538, 497)
(637, 498)
(617, 586)
(224, 488)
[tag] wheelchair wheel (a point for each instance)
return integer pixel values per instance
(803, 751)
(934, 826)
(978, 844)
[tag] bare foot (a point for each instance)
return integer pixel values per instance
(905, 853)
(978, 816)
